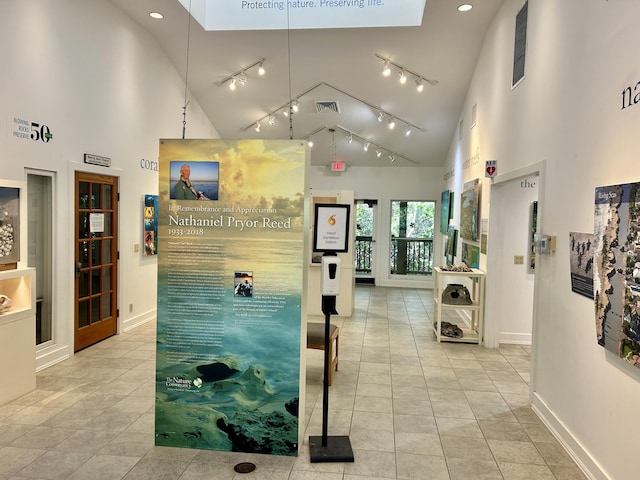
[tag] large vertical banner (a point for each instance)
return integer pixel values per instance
(230, 263)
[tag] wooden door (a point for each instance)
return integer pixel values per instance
(96, 257)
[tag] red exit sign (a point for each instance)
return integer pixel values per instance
(338, 166)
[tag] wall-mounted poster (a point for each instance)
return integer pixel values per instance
(470, 210)
(616, 270)
(470, 255)
(581, 263)
(150, 232)
(533, 229)
(9, 225)
(230, 276)
(445, 211)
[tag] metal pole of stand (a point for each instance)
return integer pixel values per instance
(325, 448)
(325, 383)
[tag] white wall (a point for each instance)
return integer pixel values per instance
(103, 86)
(386, 184)
(514, 282)
(566, 115)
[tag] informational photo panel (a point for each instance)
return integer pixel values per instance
(616, 270)
(230, 263)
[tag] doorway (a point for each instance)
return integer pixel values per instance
(40, 220)
(365, 248)
(510, 295)
(96, 258)
(411, 243)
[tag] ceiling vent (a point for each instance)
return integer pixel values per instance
(327, 105)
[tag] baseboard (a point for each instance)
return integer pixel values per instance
(515, 338)
(574, 448)
(133, 322)
(50, 356)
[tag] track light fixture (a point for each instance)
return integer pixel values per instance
(403, 71)
(407, 131)
(257, 129)
(272, 120)
(294, 106)
(232, 85)
(380, 117)
(241, 75)
(392, 123)
(366, 143)
(386, 71)
(308, 136)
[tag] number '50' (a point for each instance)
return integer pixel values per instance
(40, 132)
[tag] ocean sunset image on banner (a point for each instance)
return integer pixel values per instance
(230, 263)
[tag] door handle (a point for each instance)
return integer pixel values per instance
(78, 268)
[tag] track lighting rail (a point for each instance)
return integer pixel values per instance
(287, 108)
(404, 70)
(240, 73)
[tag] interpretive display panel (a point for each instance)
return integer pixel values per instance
(150, 213)
(581, 263)
(470, 210)
(616, 270)
(230, 263)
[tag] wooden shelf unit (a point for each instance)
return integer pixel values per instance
(470, 318)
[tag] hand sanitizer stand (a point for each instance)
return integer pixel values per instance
(325, 448)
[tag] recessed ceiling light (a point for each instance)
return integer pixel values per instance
(157, 15)
(465, 7)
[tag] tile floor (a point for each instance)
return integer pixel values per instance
(412, 408)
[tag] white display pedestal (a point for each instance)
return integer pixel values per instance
(470, 318)
(18, 334)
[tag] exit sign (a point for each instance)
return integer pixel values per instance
(338, 166)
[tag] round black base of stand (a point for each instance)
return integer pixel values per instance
(338, 449)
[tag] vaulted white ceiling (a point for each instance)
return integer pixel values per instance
(338, 66)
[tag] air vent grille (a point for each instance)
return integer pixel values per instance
(327, 105)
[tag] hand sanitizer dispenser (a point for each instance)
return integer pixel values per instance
(330, 281)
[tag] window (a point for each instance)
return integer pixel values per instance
(412, 227)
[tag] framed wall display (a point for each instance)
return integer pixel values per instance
(470, 210)
(451, 247)
(9, 225)
(445, 211)
(533, 229)
(616, 270)
(331, 228)
(150, 214)
(470, 255)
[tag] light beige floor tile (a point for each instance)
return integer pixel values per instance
(104, 467)
(419, 444)
(520, 471)
(506, 451)
(459, 427)
(412, 466)
(474, 468)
